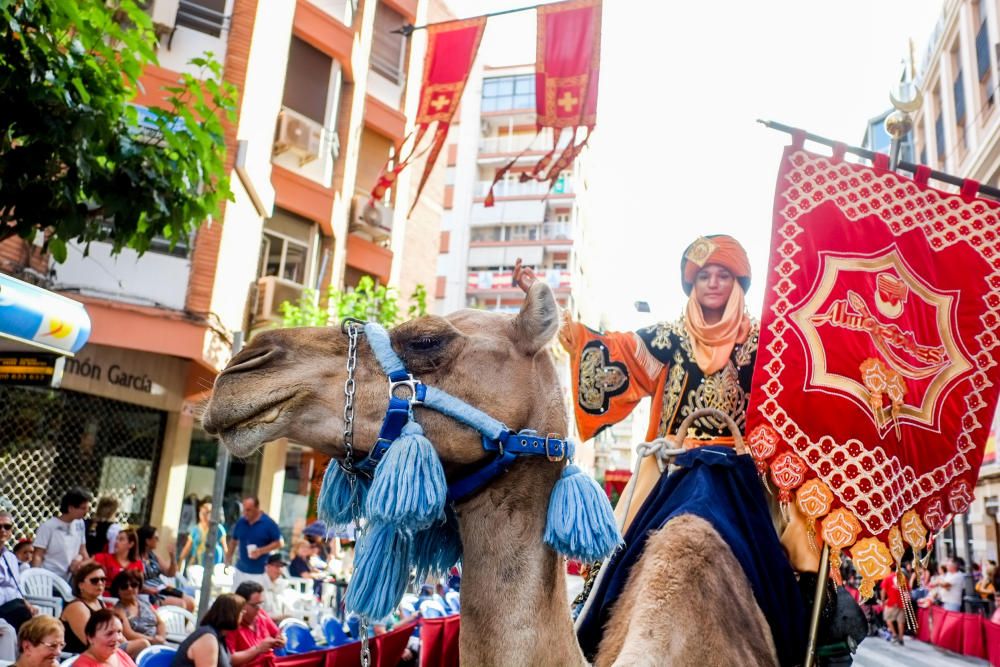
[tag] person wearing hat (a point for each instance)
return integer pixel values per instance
(274, 585)
(703, 360)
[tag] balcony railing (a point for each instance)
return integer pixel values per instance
(479, 281)
(515, 143)
(528, 189)
(304, 137)
(557, 231)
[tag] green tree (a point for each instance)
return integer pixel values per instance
(77, 163)
(368, 301)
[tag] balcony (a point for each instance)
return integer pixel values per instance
(502, 281)
(342, 10)
(371, 220)
(305, 147)
(557, 231)
(514, 188)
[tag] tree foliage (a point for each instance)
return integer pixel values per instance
(367, 301)
(75, 163)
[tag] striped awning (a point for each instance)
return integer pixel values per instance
(32, 318)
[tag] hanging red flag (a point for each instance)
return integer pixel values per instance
(567, 64)
(877, 372)
(451, 50)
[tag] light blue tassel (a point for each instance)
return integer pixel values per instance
(381, 572)
(437, 548)
(337, 495)
(580, 522)
(409, 489)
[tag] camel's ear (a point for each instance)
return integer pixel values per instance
(538, 320)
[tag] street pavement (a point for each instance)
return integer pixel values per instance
(877, 652)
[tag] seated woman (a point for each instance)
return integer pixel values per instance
(206, 646)
(40, 641)
(104, 639)
(302, 565)
(141, 619)
(124, 557)
(155, 568)
(88, 587)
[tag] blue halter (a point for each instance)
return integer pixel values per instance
(401, 490)
(508, 445)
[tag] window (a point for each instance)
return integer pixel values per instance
(307, 80)
(207, 16)
(507, 93)
(486, 234)
(522, 233)
(983, 59)
(284, 247)
(959, 99)
(939, 138)
(388, 47)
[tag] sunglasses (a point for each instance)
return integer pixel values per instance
(7, 526)
(131, 584)
(97, 580)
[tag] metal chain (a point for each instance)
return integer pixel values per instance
(349, 389)
(348, 463)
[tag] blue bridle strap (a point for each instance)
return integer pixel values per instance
(496, 437)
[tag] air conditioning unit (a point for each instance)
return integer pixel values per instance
(272, 291)
(299, 135)
(372, 220)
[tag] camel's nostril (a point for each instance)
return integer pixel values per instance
(250, 359)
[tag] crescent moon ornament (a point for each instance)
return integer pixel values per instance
(906, 97)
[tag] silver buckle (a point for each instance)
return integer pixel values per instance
(411, 384)
(548, 451)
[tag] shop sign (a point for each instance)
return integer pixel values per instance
(27, 368)
(154, 380)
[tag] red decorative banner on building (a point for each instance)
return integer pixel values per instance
(567, 64)
(451, 50)
(877, 371)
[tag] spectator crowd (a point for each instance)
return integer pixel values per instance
(97, 592)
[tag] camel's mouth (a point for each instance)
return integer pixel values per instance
(243, 431)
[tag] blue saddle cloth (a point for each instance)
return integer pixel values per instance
(721, 487)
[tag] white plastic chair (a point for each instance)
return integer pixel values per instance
(68, 661)
(47, 606)
(454, 601)
(222, 577)
(194, 574)
(39, 582)
(8, 643)
(179, 621)
(300, 585)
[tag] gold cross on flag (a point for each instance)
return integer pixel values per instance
(440, 102)
(567, 101)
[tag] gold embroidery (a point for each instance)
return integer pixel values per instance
(661, 335)
(672, 391)
(720, 390)
(744, 352)
(600, 379)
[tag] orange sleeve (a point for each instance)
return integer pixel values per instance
(611, 373)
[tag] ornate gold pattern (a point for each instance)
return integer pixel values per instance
(600, 379)
(744, 353)
(672, 391)
(720, 390)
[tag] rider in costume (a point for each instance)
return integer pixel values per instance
(703, 360)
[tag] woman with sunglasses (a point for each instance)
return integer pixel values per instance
(104, 642)
(40, 642)
(88, 586)
(142, 621)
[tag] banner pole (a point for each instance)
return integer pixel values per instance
(408, 29)
(821, 579)
(989, 191)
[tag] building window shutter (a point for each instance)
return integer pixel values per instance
(959, 99)
(388, 48)
(983, 51)
(939, 137)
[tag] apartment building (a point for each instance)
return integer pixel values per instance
(958, 131)
(479, 245)
(325, 90)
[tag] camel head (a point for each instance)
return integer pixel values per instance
(289, 383)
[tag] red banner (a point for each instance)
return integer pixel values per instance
(567, 65)
(877, 375)
(451, 50)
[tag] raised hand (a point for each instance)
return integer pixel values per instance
(524, 276)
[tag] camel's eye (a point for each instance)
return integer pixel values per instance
(424, 343)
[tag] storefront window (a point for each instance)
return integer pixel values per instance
(303, 475)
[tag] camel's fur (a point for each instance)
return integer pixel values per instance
(288, 383)
(687, 602)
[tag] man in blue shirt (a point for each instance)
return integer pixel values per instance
(255, 535)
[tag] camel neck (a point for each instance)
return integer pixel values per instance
(514, 602)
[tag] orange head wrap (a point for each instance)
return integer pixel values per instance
(717, 249)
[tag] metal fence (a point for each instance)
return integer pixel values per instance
(52, 440)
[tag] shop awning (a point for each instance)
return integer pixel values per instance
(32, 318)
